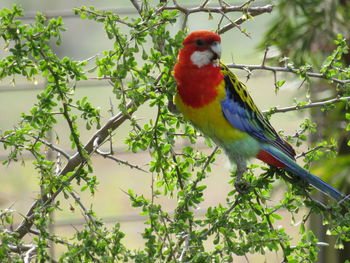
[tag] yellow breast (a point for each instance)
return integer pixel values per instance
(210, 119)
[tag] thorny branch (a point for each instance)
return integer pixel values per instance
(52, 147)
(330, 147)
(119, 161)
(29, 254)
(253, 11)
(86, 212)
(74, 162)
(222, 9)
(232, 25)
(136, 4)
(308, 105)
(288, 70)
(185, 248)
(55, 238)
(187, 9)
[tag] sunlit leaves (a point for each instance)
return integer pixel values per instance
(139, 68)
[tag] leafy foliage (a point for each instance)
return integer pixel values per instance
(245, 224)
(304, 30)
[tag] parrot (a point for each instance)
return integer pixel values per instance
(218, 104)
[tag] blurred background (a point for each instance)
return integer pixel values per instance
(84, 39)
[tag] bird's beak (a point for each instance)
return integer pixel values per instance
(216, 49)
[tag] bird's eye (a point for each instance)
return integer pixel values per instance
(200, 42)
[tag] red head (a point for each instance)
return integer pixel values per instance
(201, 48)
(197, 72)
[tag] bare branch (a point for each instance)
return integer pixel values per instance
(75, 161)
(70, 14)
(137, 6)
(54, 238)
(20, 248)
(253, 11)
(265, 56)
(109, 156)
(185, 248)
(184, 22)
(29, 254)
(288, 70)
(52, 146)
(186, 9)
(204, 3)
(177, 6)
(25, 226)
(308, 105)
(246, 3)
(87, 214)
(318, 147)
(89, 59)
(232, 25)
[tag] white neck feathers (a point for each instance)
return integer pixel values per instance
(202, 58)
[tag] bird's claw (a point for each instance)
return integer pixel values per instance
(242, 187)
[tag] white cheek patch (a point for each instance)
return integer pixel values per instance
(201, 58)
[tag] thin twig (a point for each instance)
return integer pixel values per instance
(137, 6)
(253, 11)
(232, 25)
(54, 238)
(331, 147)
(75, 162)
(52, 147)
(184, 22)
(265, 56)
(88, 59)
(288, 70)
(20, 248)
(204, 3)
(29, 254)
(109, 156)
(246, 3)
(308, 105)
(129, 11)
(185, 248)
(87, 214)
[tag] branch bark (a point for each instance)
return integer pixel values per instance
(309, 105)
(286, 69)
(74, 162)
(253, 11)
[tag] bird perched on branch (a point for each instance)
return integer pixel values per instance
(217, 103)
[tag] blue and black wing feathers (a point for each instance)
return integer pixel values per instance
(240, 110)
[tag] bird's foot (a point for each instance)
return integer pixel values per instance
(242, 186)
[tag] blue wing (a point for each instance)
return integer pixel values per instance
(240, 110)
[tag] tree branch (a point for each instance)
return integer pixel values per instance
(74, 162)
(253, 11)
(52, 146)
(309, 105)
(288, 70)
(239, 21)
(136, 4)
(119, 161)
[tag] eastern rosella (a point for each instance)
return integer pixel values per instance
(217, 103)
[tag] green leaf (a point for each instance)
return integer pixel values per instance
(280, 83)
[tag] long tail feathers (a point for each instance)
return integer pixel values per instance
(297, 170)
